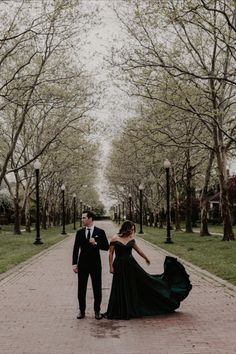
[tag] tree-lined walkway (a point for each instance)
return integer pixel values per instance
(39, 308)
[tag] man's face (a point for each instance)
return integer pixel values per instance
(85, 220)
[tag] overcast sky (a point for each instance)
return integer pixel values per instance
(111, 112)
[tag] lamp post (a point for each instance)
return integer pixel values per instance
(63, 209)
(80, 212)
(167, 165)
(38, 240)
(130, 207)
(141, 188)
(74, 209)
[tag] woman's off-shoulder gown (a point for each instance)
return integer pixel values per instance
(136, 293)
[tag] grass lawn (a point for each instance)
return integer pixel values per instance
(15, 249)
(209, 253)
(214, 228)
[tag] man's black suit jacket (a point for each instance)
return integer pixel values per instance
(84, 253)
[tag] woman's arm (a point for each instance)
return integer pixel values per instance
(140, 252)
(111, 252)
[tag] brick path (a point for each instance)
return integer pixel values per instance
(39, 308)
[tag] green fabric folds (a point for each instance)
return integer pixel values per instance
(136, 293)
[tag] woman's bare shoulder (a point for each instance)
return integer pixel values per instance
(114, 238)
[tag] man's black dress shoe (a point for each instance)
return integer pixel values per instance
(80, 315)
(98, 316)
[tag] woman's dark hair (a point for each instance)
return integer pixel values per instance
(126, 227)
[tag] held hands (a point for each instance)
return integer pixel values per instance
(112, 270)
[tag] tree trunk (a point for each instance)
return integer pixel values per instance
(223, 182)
(44, 215)
(188, 226)
(220, 150)
(204, 217)
(17, 211)
(204, 205)
(176, 200)
(177, 217)
(27, 214)
(156, 219)
(225, 211)
(161, 217)
(50, 216)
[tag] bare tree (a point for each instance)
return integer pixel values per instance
(194, 45)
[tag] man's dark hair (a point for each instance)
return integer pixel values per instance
(89, 213)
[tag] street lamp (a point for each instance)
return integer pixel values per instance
(74, 209)
(141, 188)
(80, 212)
(63, 209)
(130, 206)
(167, 165)
(38, 240)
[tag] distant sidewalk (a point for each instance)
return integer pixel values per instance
(212, 233)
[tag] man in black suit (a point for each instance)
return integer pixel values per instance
(86, 261)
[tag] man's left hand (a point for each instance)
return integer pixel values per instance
(92, 241)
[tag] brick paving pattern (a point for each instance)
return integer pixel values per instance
(39, 307)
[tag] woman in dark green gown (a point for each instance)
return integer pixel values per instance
(136, 293)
